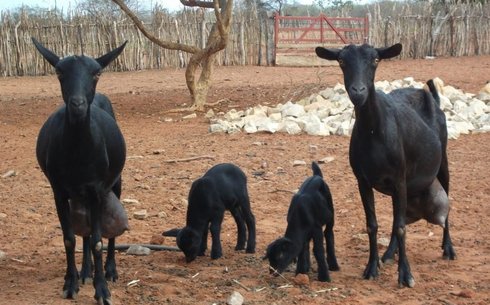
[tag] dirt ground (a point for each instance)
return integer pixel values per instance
(33, 270)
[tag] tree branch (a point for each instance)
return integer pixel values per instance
(164, 44)
(198, 3)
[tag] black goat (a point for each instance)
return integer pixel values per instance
(310, 209)
(82, 152)
(223, 187)
(398, 147)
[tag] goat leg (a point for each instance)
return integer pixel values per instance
(241, 230)
(319, 252)
(399, 198)
(447, 245)
(71, 286)
(110, 263)
(330, 243)
(102, 293)
(250, 221)
(86, 273)
(367, 197)
(215, 228)
(303, 264)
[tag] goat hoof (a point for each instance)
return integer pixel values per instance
(238, 248)
(449, 254)
(86, 280)
(69, 294)
(388, 261)
(333, 267)
(371, 271)
(104, 301)
(250, 250)
(111, 274)
(410, 283)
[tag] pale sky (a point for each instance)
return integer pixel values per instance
(65, 4)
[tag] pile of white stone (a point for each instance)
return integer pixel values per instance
(330, 112)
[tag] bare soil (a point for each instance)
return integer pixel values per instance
(33, 270)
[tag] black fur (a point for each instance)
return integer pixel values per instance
(223, 187)
(82, 152)
(310, 209)
(398, 147)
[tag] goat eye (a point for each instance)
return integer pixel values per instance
(97, 75)
(341, 62)
(376, 61)
(59, 74)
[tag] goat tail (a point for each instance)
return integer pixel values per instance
(316, 169)
(434, 92)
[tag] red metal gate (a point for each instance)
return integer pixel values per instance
(295, 38)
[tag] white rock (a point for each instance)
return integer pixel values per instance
(259, 111)
(272, 110)
(190, 116)
(344, 129)
(459, 106)
(275, 117)
(10, 173)
(445, 103)
(313, 126)
(299, 163)
(331, 112)
(383, 85)
(339, 88)
(486, 88)
(235, 299)
(293, 110)
(326, 159)
(250, 127)
(327, 93)
(210, 114)
(129, 201)
(138, 250)
(289, 127)
(233, 115)
(383, 241)
(217, 127)
(3, 256)
(141, 214)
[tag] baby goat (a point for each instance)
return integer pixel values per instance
(398, 147)
(310, 209)
(82, 152)
(223, 187)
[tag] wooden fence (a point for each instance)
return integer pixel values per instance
(456, 30)
(423, 30)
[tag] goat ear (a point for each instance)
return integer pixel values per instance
(329, 54)
(52, 58)
(106, 59)
(389, 52)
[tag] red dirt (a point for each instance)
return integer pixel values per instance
(30, 234)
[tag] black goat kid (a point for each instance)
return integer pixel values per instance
(398, 147)
(310, 209)
(223, 187)
(82, 152)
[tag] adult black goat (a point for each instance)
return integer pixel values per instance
(398, 147)
(82, 152)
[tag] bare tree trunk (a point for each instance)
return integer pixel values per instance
(204, 57)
